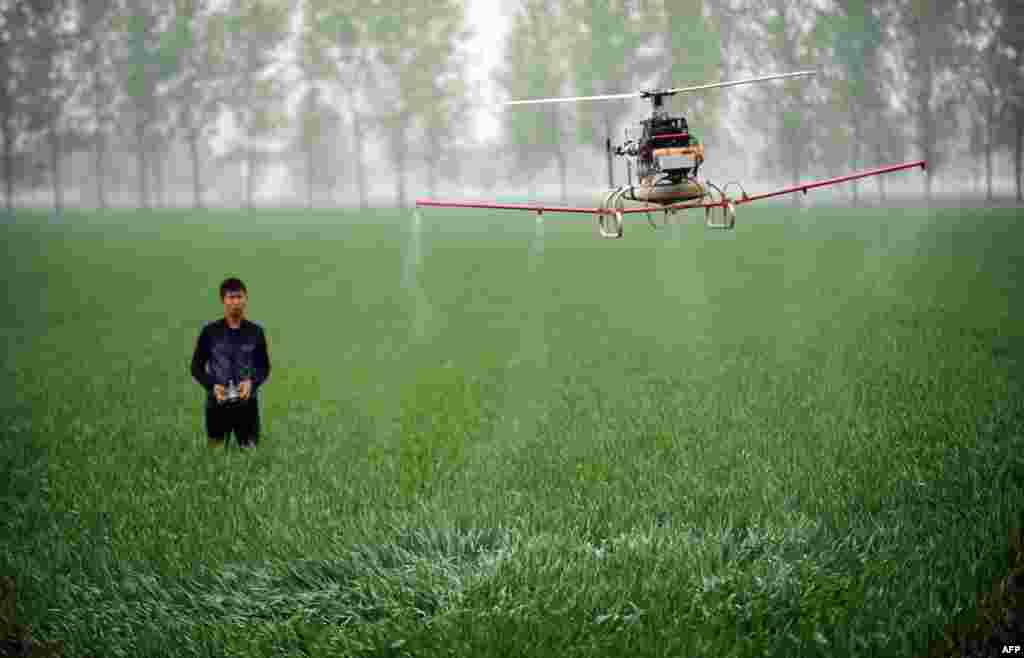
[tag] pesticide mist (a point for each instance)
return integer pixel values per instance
(525, 394)
(413, 261)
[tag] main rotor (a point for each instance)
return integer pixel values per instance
(657, 100)
(657, 96)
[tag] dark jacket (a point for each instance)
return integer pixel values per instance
(223, 353)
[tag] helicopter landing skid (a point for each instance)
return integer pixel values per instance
(722, 215)
(719, 213)
(609, 216)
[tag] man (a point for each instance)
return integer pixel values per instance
(232, 350)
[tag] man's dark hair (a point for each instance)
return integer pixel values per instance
(232, 284)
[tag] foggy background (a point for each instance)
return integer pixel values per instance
(356, 103)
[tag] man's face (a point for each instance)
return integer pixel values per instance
(234, 304)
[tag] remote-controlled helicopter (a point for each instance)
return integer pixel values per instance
(667, 160)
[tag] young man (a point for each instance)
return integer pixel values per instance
(232, 350)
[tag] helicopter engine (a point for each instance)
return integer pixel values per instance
(667, 149)
(667, 159)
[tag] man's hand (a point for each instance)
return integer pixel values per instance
(245, 388)
(218, 392)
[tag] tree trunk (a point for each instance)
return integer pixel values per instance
(400, 176)
(357, 134)
(926, 121)
(881, 179)
(157, 165)
(8, 165)
(608, 156)
(165, 169)
(331, 200)
(855, 191)
(858, 139)
(101, 183)
(795, 164)
(563, 162)
(990, 129)
(58, 193)
(309, 175)
(99, 145)
(337, 157)
(976, 174)
(143, 168)
(398, 154)
(432, 164)
(1018, 151)
(197, 186)
(988, 158)
(249, 176)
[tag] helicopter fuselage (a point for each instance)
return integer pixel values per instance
(667, 159)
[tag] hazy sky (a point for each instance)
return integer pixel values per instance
(487, 20)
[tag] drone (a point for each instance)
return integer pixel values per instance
(667, 160)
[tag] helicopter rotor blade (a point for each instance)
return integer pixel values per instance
(661, 92)
(573, 99)
(732, 83)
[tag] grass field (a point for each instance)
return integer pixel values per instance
(485, 437)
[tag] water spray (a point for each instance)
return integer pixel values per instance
(537, 246)
(421, 307)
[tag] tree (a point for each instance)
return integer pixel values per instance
(15, 87)
(94, 68)
(605, 38)
(926, 28)
(147, 60)
(445, 112)
(341, 52)
(255, 29)
(852, 34)
(692, 54)
(991, 76)
(785, 37)
(197, 93)
(414, 45)
(317, 140)
(444, 122)
(536, 43)
(392, 33)
(312, 127)
(1011, 35)
(49, 81)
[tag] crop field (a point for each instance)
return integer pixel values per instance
(484, 436)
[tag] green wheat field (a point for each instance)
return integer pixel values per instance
(488, 437)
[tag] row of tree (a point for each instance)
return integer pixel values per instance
(337, 79)
(83, 74)
(938, 79)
